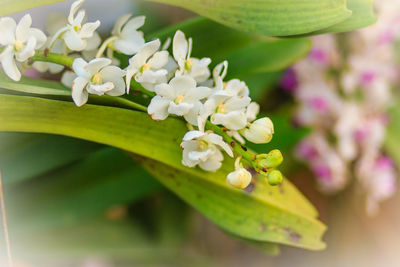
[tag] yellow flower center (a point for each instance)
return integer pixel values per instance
(78, 27)
(179, 99)
(221, 109)
(97, 79)
(145, 66)
(188, 64)
(202, 144)
(18, 46)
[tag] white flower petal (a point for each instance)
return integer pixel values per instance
(198, 93)
(213, 163)
(92, 43)
(147, 51)
(130, 45)
(88, 29)
(217, 139)
(234, 120)
(79, 18)
(28, 51)
(119, 23)
(165, 90)
(132, 25)
(252, 111)
(158, 108)
(237, 103)
(7, 30)
(39, 36)
(74, 41)
(158, 60)
(100, 89)
(193, 114)
(180, 109)
(8, 64)
(68, 78)
(79, 67)
(179, 46)
(149, 76)
(74, 7)
(182, 85)
(79, 94)
(193, 135)
(187, 147)
(22, 30)
(95, 65)
(200, 155)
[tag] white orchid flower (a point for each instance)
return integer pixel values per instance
(147, 66)
(20, 42)
(74, 34)
(233, 87)
(96, 77)
(195, 68)
(227, 111)
(128, 40)
(240, 178)
(260, 131)
(203, 149)
(180, 97)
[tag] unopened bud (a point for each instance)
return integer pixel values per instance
(274, 177)
(239, 178)
(260, 131)
(271, 160)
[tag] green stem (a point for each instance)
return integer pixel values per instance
(53, 58)
(237, 147)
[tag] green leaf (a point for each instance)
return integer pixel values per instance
(270, 17)
(136, 132)
(392, 141)
(242, 213)
(12, 6)
(363, 15)
(81, 191)
(24, 156)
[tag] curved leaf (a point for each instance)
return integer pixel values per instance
(136, 132)
(270, 17)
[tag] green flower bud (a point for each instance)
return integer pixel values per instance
(271, 160)
(274, 177)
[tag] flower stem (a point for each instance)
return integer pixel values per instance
(238, 148)
(53, 58)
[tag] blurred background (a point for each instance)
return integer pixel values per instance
(75, 203)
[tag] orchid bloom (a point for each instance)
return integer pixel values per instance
(180, 97)
(203, 149)
(147, 66)
(74, 34)
(96, 77)
(20, 42)
(195, 68)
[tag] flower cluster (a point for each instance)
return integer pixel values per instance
(345, 102)
(220, 114)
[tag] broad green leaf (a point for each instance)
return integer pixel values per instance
(12, 6)
(136, 132)
(363, 15)
(270, 17)
(239, 212)
(24, 156)
(78, 192)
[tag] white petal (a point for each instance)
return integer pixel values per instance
(119, 23)
(55, 68)
(252, 111)
(100, 89)
(188, 146)
(88, 29)
(130, 72)
(158, 108)
(223, 66)
(182, 85)
(68, 78)
(165, 90)
(22, 30)
(181, 109)
(147, 51)
(79, 18)
(200, 155)
(79, 94)
(217, 139)
(92, 43)
(8, 64)
(133, 25)
(7, 31)
(213, 163)
(39, 36)
(40, 66)
(149, 76)
(28, 51)
(119, 88)
(193, 114)
(237, 103)
(74, 7)
(193, 135)
(198, 93)
(95, 65)
(129, 45)
(114, 74)
(79, 67)
(158, 60)
(74, 41)
(179, 46)
(235, 120)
